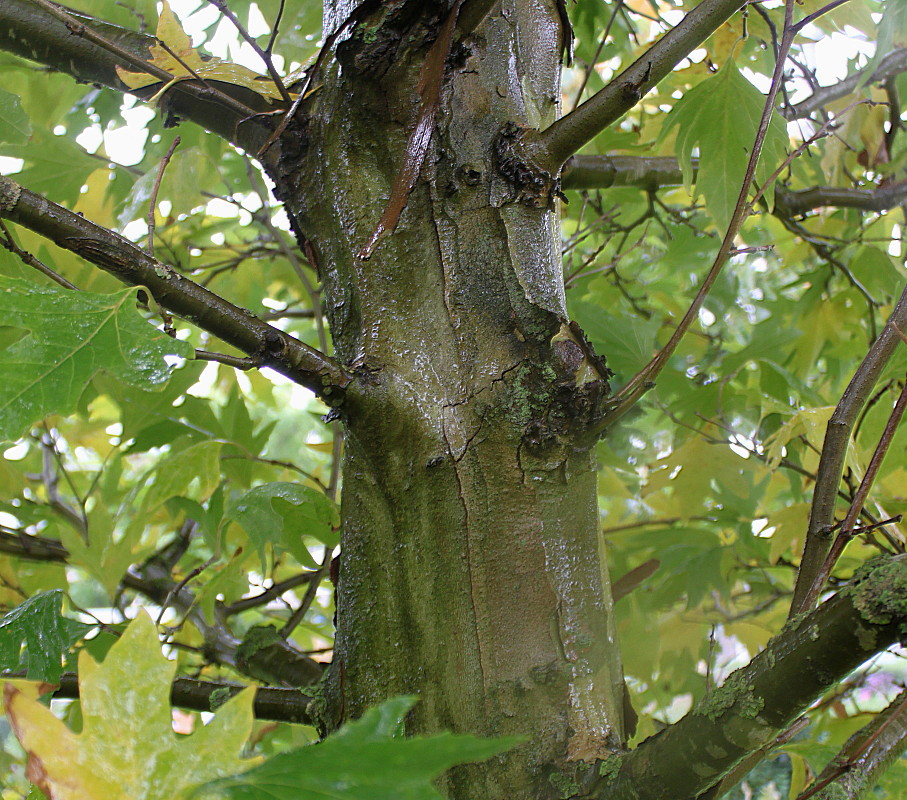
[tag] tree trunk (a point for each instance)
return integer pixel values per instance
(471, 573)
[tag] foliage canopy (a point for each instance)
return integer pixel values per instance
(153, 460)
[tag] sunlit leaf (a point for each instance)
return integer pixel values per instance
(724, 139)
(177, 56)
(127, 749)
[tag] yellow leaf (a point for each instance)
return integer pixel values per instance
(127, 749)
(184, 62)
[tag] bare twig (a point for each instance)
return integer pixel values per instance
(27, 258)
(264, 55)
(237, 362)
(271, 593)
(847, 532)
(299, 614)
(152, 202)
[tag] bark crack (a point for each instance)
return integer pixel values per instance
(475, 603)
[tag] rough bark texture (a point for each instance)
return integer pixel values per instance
(471, 571)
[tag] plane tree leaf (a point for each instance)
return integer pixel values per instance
(365, 760)
(724, 139)
(37, 635)
(72, 336)
(280, 514)
(194, 471)
(127, 749)
(15, 127)
(184, 62)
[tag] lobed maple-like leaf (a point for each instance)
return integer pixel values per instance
(69, 338)
(39, 626)
(720, 116)
(127, 749)
(184, 62)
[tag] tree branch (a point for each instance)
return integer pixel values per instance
(280, 705)
(128, 263)
(34, 33)
(892, 63)
(760, 700)
(279, 662)
(553, 146)
(820, 533)
(656, 172)
(865, 757)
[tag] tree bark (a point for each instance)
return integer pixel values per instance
(471, 570)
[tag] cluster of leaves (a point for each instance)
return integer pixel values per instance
(124, 463)
(720, 460)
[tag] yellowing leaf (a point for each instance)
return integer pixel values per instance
(184, 62)
(127, 749)
(810, 422)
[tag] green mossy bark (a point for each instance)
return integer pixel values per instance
(471, 569)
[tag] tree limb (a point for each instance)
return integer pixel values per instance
(760, 700)
(280, 662)
(34, 33)
(865, 757)
(891, 64)
(122, 259)
(656, 172)
(553, 146)
(280, 705)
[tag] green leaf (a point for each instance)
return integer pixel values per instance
(54, 166)
(627, 344)
(193, 472)
(281, 513)
(703, 116)
(892, 34)
(15, 127)
(72, 337)
(365, 760)
(39, 626)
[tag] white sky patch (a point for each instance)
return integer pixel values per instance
(10, 166)
(16, 453)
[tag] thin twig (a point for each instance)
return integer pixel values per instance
(237, 362)
(152, 202)
(834, 452)
(27, 258)
(590, 68)
(299, 614)
(808, 20)
(272, 592)
(847, 531)
(178, 587)
(275, 28)
(264, 55)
